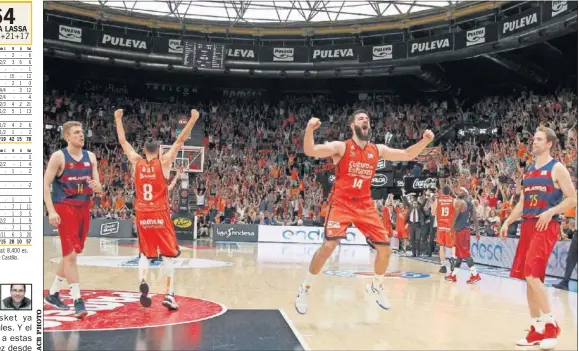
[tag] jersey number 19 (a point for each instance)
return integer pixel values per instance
(445, 211)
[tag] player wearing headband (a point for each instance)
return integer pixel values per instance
(464, 216)
(156, 232)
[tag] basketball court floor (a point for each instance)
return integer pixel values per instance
(240, 296)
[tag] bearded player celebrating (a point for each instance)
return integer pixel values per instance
(547, 191)
(351, 199)
(156, 232)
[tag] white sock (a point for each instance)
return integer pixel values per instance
(169, 266)
(537, 323)
(143, 268)
(548, 318)
(55, 287)
(308, 281)
(377, 282)
(454, 271)
(74, 291)
(170, 284)
(472, 270)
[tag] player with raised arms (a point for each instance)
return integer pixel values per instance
(72, 175)
(155, 230)
(547, 191)
(351, 201)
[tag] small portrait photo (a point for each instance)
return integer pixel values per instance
(15, 296)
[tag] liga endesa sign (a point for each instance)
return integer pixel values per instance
(305, 235)
(235, 232)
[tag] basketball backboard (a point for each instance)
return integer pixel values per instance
(190, 158)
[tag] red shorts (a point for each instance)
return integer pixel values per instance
(73, 227)
(444, 237)
(362, 214)
(534, 250)
(156, 234)
(462, 243)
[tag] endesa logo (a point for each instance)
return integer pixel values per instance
(314, 235)
(492, 253)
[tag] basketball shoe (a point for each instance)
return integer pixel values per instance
(473, 278)
(532, 338)
(552, 331)
(145, 299)
(54, 301)
(302, 300)
(79, 309)
(378, 293)
(170, 303)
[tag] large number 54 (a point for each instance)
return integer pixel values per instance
(357, 183)
(147, 192)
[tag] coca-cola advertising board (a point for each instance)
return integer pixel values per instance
(418, 184)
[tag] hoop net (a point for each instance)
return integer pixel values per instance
(190, 159)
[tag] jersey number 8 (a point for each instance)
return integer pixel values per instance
(147, 192)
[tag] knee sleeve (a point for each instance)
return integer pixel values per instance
(470, 262)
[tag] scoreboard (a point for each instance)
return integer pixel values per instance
(203, 55)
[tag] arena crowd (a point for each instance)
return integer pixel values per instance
(255, 171)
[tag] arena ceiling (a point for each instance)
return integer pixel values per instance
(281, 12)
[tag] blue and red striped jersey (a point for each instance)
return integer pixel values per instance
(540, 191)
(71, 187)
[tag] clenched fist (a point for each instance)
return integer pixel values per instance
(194, 114)
(314, 123)
(428, 134)
(119, 113)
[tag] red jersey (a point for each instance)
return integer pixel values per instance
(151, 190)
(445, 212)
(354, 173)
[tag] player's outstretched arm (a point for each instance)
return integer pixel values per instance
(127, 148)
(169, 156)
(54, 164)
(407, 154)
(320, 150)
